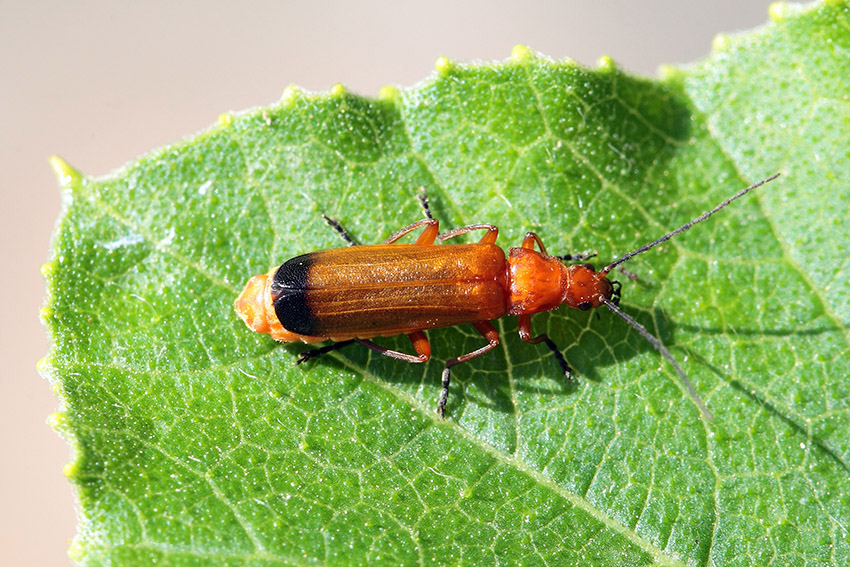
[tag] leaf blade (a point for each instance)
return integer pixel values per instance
(199, 442)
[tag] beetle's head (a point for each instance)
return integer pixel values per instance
(587, 287)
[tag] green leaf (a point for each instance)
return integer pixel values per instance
(198, 442)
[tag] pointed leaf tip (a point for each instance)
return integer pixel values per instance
(65, 174)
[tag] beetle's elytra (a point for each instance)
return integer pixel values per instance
(356, 293)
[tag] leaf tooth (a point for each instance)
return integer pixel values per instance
(225, 120)
(43, 367)
(721, 42)
(778, 11)
(48, 269)
(58, 421)
(522, 53)
(444, 66)
(338, 91)
(606, 63)
(45, 313)
(71, 470)
(290, 95)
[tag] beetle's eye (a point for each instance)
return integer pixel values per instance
(589, 267)
(585, 305)
(615, 292)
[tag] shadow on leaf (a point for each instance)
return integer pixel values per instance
(589, 341)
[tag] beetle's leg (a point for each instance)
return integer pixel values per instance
(432, 227)
(530, 240)
(334, 224)
(418, 338)
(423, 202)
(420, 345)
(488, 238)
(313, 353)
(524, 323)
(586, 255)
(492, 335)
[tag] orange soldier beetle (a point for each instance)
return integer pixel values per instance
(353, 294)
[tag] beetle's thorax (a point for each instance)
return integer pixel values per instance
(535, 281)
(539, 282)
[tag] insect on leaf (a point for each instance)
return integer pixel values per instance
(198, 442)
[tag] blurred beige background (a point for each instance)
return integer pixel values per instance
(101, 82)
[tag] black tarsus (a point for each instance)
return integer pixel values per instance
(562, 362)
(586, 255)
(345, 235)
(316, 352)
(423, 202)
(335, 224)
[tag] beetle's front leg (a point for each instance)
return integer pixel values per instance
(524, 323)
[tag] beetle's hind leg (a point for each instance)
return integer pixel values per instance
(420, 345)
(316, 352)
(418, 338)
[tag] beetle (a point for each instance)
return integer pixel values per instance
(357, 293)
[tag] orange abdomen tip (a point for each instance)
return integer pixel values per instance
(251, 305)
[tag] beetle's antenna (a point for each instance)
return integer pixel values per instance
(666, 353)
(685, 226)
